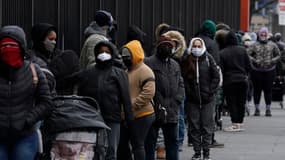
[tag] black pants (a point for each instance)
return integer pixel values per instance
(235, 94)
(201, 126)
(170, 132)
(136, 134)
(262, 81)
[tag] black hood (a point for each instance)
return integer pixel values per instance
(16, 33)
(105, 43)
(39, 33)
(231, 39)
(93, 28)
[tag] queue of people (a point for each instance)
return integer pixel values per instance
(138, 95)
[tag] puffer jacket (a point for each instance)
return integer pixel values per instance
(108, 85)
(169, 91)
(22, 103)
(264, 56)
(209, 78)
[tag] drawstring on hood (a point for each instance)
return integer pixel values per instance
(189, 49)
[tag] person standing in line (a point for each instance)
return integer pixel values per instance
(109, 86)
(168, 97)
(180, 49)
(94, 33)
(207, 33)
(264, 55)
(235, 65)
(201, 76)
(142, 89)
(44, 36)
(24, 97)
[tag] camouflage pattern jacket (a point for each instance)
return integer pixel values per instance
(264, 56)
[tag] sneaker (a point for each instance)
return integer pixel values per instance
(216, 144)
(232, 128)
(257, 112)
(196, 156)
(240, 126)
(268, 113)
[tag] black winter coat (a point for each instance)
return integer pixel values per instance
(22, 103)
(110, 87)
(209, 78)
(169, 86)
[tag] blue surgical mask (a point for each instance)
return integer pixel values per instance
(197, 52)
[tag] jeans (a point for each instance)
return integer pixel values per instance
(181, 124)
(21, 149)
(113, 140)
(170, 131)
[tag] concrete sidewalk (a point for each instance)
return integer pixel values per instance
(263, 139)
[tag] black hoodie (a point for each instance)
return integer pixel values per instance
(39, 33)
(235, 62)
(108, 85)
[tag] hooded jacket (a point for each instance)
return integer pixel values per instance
(108, 85)
(22, 103)
(39, 54)
(141, 81)
(179, 39)
(264, 55)
(169, 86)
(235, 62)
(94, 34)
(202, 80)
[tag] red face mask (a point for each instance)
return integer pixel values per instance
(10, 53)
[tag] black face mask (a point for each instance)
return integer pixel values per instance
(127, 61)
(164, 52)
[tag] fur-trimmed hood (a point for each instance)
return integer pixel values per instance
(179, 39)
(159, 29)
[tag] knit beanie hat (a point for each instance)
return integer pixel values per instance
(209, 27)
(103, 18)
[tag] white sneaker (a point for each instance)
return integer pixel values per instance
(232, 128)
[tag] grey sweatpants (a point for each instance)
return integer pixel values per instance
(202, 122)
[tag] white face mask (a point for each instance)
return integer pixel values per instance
(49, 45)
(197, 52)
(104, 56)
